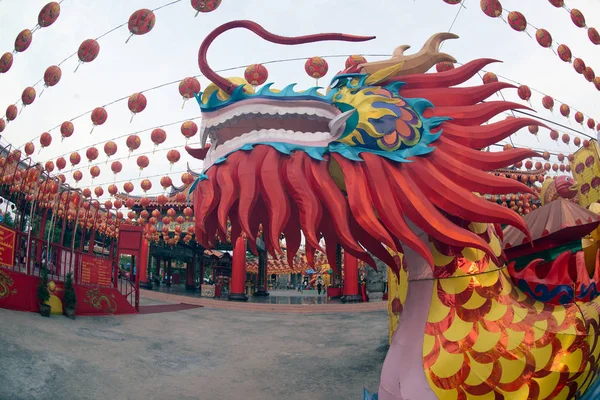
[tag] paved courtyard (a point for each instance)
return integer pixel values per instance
(202, 353)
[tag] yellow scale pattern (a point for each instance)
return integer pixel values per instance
(485, 339)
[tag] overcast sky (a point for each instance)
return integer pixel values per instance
(169, 53)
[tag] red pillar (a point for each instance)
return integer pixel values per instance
(142, 267)
(92, 242)
(238, 271)
(190, 283)
(39, 246)
(350, 291)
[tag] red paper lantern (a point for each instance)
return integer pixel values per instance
(143, 162)
(95, 171)
(66, 129)
(577, 18)
(99, 116)
(205, 6)
(61, 163)
(23, 40)
(29, 148)
(49, 14)
(356, 60)
(547, 166)
(579, 65)
(528, 164)
(116, 167)
(591, 123)
(133, 142)
(141, 22)
(188, 88)
(538, 165)
(565, 110)
(162, 199)
(256, 74)
(88, 51)
(158, 136)
(579, 117)
(137, 103)
(189, 129)
(108, 204)
(45, 139)
(128, 188)
(566, 138)
(173, 156)
(548, 102)
(554, 135)
(491, 8)
(11, 112)
(564, 53)
(557, 3)
(561, 157)
(533, 129)
(586, 143)
(118, 204)
(444, 66)
(597, 82)
(110, 148)
(316, 67)
(489, 77)
(2, 125)
(570, 157)
(187, 178)
(554, 167)
(166, 182)
(562, 168)
(6, 62)
(91, 153)
(546, 155)
(49, 166)
(77, 176)
(589, 74)
(543, 37)
(593, 35)
(113, 189)
(146, 185)
(577, 141)
(28, 96)
(98, 191)
(74, 158)
(517, 21)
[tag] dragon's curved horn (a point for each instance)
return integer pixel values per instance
(417, 63)
(263, 33)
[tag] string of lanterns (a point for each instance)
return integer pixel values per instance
(578, 20)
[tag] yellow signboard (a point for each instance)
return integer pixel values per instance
(585, 168)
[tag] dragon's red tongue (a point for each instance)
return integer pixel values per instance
(200, 154)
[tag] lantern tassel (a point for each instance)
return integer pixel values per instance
(92, 129)
(128, 38)
(22, 108)
(78, 65)
(132, 115)
(129, 156)
(183, 105)
(42, 92)
(155, 146)
(197, 12)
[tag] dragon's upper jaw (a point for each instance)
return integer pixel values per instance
(299, 122)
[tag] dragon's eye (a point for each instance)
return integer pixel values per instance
(336, 83)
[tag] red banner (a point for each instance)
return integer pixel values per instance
(7, 246)
(95, 271)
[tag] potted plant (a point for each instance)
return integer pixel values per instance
(70, 298)
(43, 293)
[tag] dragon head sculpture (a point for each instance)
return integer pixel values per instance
(387, 153)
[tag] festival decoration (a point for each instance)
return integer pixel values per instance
(133, 142)
(29, 148)
(116, 167)
(548, 103)
(491, 8)
(524, 92)
(49, 166)
(489, 77)
(444, 66)
(94, 172)
(66, 130)
(158, 136)
(6, 62)
(49, 14)
(74, 158)
(566, 138)
(128, 188)
(45, 139)
(166, 182)
(141, 22)
(173, 156)
(98, 191)
(77, 176)
(544, 38)
(205, 6)
(579, 117)
(463, 302)
(316, 67)
(256, 75)
(355, 61)
(188, 88)
(11, 112)
(23, 40)
(142, 162)
(564, 53)
(577, 18)
(146, 185)
(517, 21)
(110, 149)
(594, 36)
(187, 178)
(136, 104)
(554, 135)
(99, 117)
(576, 141)
(28, 96)
(61, 163)
(2, 125)
(565, 110)
(87, 52)
(579, 65)
(112, 190)
(591, 123)
(189, 129)
(92, 154)
(533, 129)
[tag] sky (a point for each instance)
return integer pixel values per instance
(169, 53)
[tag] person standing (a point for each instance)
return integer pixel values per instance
(319, 287)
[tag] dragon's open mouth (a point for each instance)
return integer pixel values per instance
(303, 122)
